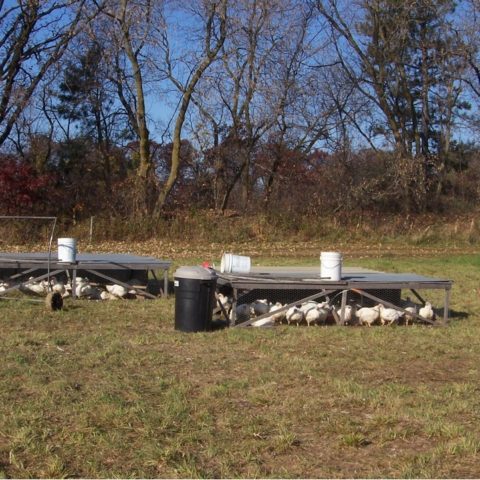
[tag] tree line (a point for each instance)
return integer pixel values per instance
(148, 107)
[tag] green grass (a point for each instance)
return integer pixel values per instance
(112, 390)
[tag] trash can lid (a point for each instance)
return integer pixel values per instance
(196, 272)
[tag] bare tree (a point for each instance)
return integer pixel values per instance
(240, 99)
(265, 91)
(126, 30)
(214, 19)
(33, 36)
(304, 111)
(400, 57)
(468, 32)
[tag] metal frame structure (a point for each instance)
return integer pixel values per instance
(357, 280)
(34, 217)
(28, 263)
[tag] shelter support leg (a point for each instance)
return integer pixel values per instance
(446, 306)
(419, 297)
(233, 316)
(165, 283)
(74, 283)
(342, 308)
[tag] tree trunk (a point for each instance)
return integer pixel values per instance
(145, 167)
(209, 57)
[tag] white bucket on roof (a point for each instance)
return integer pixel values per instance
(235, 263)
(67, 250)
(331, 265)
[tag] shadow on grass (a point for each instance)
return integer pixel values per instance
(69, 308)
(457, 315)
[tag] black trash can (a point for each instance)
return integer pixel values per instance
(194, 298)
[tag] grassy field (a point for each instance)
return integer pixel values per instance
(112, 390)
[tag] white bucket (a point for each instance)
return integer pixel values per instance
(331, 265)
(67, 250)
(234, 263)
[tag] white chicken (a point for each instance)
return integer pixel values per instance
(37, 288)
(82, 287)
(224, 301)
(295, 315)
(323, 309)
(409, 317)
(348, 314)
(315, 313)
(4, 286)
(278, 317)
(308, 305)
(389, 315)
(427, 312)
(310, 309)
(313, 316)
(411, 308)
(57, 286)
(222, 307)
(118, 290)
(368, 315)
(104, 295)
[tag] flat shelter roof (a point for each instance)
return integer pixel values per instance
(102, 261)
(309, 277)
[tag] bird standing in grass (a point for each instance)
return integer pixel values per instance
(278, 317)
(312, 315)
(427, 312)
(411, 308)
(295, 315)
(389, 315)
(410, 317)
(323, 309)
(348, 314)
(368, 316)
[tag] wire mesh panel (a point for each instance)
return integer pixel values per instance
(387, 298)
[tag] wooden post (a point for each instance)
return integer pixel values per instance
(91, 229)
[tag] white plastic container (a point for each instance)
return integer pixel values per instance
(67, 250)
(331, 265)
(235, 263)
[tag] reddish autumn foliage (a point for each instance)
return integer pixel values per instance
(22, 190)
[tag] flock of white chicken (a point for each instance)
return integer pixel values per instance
(83, 289)
(321, 313)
